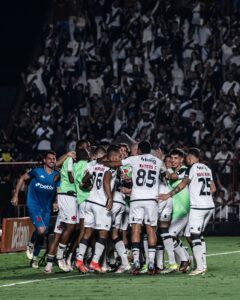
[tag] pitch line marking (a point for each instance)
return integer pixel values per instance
(84, 275)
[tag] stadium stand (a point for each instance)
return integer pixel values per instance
(152, 69)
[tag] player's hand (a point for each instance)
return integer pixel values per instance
(72, 154)
(167, 175)
(163, 197)
(14, 201)
(109, 204)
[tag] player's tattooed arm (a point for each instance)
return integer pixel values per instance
(107, 189)
(19, 185)
(177, 189)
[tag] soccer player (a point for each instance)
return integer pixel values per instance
(181, 206)
(143, 205)
(40, 196)
(98, 211)
(68, 210)
(201, 186)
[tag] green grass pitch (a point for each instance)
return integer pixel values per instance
(19, 281)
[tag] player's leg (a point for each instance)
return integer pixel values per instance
(79, 233)
(176, 228)
(53, 247)
(89, 224)
(136, 217)
(41, 223)
(206, 221)
(196, 221)
(117, 215)
(159, 255)
(124, 231)
(150, 220)
(68, 215)
(103, 223)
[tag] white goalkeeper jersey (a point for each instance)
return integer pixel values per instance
(146, 170)
(199, 188)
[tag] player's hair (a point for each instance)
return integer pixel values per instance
(145, 147)
(123, 145)
(195, 152)
(166, 157)
(49, 152)
(80, 143)
(99, 150)
(82, 154)
(177, 151)
(112, 149)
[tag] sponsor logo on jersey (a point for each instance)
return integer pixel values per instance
(151, 160)
(43, 186)
(73, 218)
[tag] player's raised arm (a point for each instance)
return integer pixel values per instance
(19, 185)
(177, 189)
(107, 189)
(61, 160)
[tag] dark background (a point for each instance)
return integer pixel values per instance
(20, 27)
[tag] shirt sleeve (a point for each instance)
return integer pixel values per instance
(32, 173)
(189, 173)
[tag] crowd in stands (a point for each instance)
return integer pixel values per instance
(150, 69)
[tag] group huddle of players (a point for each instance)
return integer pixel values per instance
(120, 211)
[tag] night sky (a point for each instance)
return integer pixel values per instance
(20, 27)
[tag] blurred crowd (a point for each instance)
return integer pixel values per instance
(155, 70)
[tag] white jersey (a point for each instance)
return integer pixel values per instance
(199, 187)
(145, 175)
(97, 194)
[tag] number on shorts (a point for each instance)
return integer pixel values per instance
(205, 190)
(98, 178)
(146, 177)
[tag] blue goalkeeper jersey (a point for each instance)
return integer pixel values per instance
(42, 189)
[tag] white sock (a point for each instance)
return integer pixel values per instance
(145, 246)
(69, 259)
(159, 256)
(169, 247)
(122, 252)
(99, 248)
(198, 253)
(82, 250)
(60, 251)
(135, 251)
(151, 254)
(180, 251)
(204, 252)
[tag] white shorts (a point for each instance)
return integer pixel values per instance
(58, 226)
(178, 226)
(143, 211)
(117, 211)
(81, 210)
(68, 209)
(198, 219)
(97, 217)
(125, 219)
(165, 210)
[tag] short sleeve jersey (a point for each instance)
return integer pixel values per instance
(146, 169)
(42, 189)
(199, 188)
(97, 193)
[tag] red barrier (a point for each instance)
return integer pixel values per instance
(15, 234)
